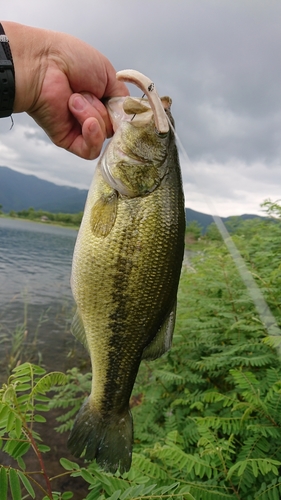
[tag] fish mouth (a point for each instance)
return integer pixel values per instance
(115, 108)
(115, 105)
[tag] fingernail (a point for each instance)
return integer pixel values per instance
(89, 97)
(79, 103)
(94, 127)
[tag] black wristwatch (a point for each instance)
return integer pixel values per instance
(7, 76)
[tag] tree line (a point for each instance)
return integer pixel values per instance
(45, 216)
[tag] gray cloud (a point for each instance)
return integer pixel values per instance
(218, 60)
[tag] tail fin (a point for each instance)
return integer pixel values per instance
(108, 440)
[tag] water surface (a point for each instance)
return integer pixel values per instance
(35, 268)
(35, 261)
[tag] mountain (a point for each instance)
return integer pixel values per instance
(205, 219)
(20, 191)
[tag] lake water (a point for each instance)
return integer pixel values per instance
(35, 261)
(35, 268)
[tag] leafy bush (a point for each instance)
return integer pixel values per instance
(22, 400)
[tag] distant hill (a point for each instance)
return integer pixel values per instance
(20, 191)
(205, 219)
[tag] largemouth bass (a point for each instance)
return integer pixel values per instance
(126, 268)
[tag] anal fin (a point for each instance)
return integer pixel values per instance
(163, 339)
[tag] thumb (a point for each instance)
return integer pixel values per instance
(86, 105)
(89, 131)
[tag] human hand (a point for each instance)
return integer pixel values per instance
(60, 82)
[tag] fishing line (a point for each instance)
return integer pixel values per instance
(140, 101)
(149, 88)
(264, 312)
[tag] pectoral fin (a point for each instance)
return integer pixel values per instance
(104, 213)
(163, 340)
(78, 330)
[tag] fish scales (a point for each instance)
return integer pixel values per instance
(125, 274)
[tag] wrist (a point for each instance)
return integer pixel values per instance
(26, 45)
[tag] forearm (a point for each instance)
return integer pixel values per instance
(28, 47)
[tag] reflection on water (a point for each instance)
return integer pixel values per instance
(35, 268)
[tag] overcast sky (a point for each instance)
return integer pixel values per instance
(219, 60)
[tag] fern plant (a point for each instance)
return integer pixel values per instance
(70, 397)
(22, 400)
(219, 388)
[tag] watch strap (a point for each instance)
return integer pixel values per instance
(7, 76)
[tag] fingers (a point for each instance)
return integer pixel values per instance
(86, 105)
(89, 143)
(93, 126)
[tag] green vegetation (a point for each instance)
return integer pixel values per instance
(48, 217)
(22, 398)
(207, 415)
(20, 345)
(193, 231)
